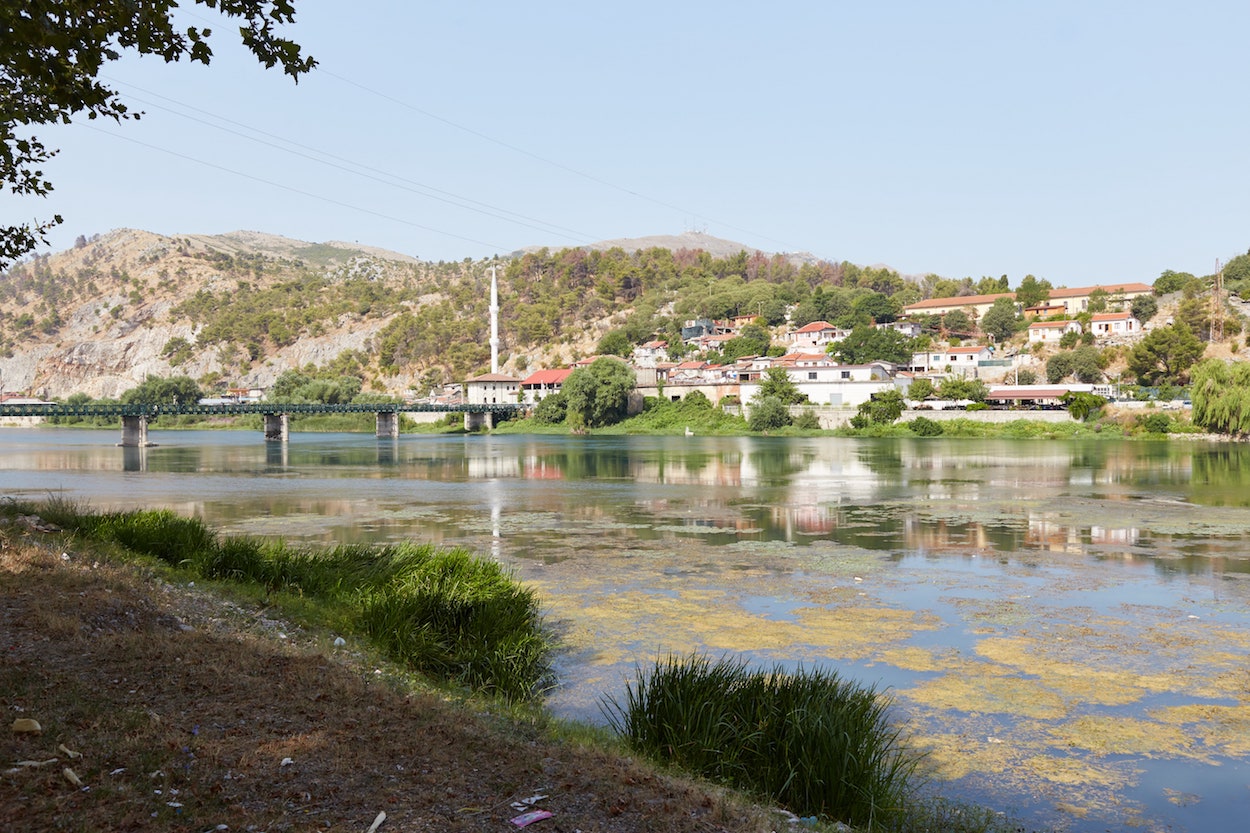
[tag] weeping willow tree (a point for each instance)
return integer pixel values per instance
(1221, 396)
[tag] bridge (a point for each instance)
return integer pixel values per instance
(135, 418)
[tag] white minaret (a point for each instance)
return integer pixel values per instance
(494, 322)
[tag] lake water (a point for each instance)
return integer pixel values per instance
(1065, 624)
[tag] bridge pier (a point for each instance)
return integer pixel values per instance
(134, 432)
(388, 425)
(474, 421)
(277, 427)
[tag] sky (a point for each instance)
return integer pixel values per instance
(1081, 142)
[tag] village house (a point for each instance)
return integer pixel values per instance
(492, 389)
(974, 305)
(647, 355)
(911, 329)
(1108, 324)
(1077, 300)
(962, 360)
(542, 383)
(1050, 332)
(829, 384)
(814, 336)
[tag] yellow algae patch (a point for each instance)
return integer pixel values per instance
(1105, 735)
(953, 756)
(1224, 729)
(911, 658)
(1091, 684)
(978, 691)
(856, 632)
(1074, 772)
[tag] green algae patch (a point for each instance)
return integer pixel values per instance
(911, 658)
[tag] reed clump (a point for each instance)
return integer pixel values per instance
(811, 741)
(444, 612)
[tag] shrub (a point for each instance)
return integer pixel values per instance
(768, 413)
(811, 741)
(807, 420)
(1155, 423)
(551, 410)
(925, 427)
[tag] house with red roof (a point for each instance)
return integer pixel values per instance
(1050, 332)
(814, 336)
(1108, 324)
(542, 383)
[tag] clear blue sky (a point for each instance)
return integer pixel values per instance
(1077, 141)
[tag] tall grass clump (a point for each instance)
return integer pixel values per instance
(807, 739)
(446, 613)
(461, 617)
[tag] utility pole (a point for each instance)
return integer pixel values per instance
(1217, 304)
(494, 322)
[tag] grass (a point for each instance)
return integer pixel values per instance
(809, 740)
(821, 745)
(443, 612)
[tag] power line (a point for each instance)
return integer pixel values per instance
(497, 247)
(543, 159)
(401, 182)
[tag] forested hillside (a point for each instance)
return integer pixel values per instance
(239, 310)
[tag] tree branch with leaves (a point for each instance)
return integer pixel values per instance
(51, 56)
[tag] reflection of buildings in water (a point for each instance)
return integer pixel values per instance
(1106, 535)
(715, 470)
(940, 536)
(1048, 536)
(494, 466)
(541, 468)
(805, 520)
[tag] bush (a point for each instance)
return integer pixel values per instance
(925, 427)
(768, 413)
(552, 409)
(1155, 423)
(807, 420)
(809, 740)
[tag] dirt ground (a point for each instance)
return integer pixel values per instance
(166, 708)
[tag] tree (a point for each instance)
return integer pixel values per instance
(1221, 396)
(51, 57)
(177, 390)
(877, 308)
(768, 413)
(920, 389)
(1169, 281)
(778, 385)
(999, 320)
(869, 344)
(955, 388)
(552, 409)
(615, 343)
(1165, 355)
(1082, 405)
(1098, 300)
(598, 395)
(1144, 307)
(883, 408)
(1032, 292)
(957, 321)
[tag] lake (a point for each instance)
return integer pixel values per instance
(1065, 624)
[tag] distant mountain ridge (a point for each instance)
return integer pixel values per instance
(241, 308)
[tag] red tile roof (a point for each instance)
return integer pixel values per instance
(815, 327)
(554, 376)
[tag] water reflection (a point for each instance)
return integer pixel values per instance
(916, 562)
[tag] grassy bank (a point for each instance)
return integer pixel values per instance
(442, 612)
(811, 742)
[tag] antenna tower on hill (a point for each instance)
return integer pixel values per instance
(1217, 304)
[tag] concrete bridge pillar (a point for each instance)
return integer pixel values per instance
(134, 432)
(473, 421)
(277, 427)
(388, 425)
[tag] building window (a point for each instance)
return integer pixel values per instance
(811, 374)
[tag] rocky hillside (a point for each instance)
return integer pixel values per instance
(239, 309)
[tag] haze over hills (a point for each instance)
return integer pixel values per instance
(239, 309)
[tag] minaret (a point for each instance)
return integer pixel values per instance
(494, 322)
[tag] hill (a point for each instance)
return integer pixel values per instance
(240, 309)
